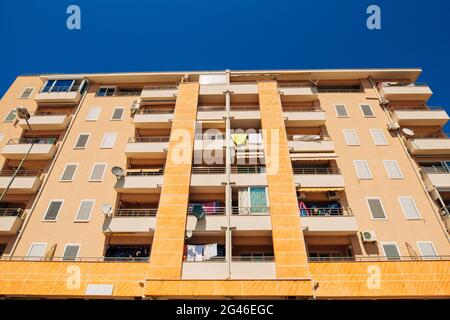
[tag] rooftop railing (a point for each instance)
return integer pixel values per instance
(147, 212)
(32, 140)
(316, 171)
(149, 139)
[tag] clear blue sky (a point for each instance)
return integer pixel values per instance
(160, 35)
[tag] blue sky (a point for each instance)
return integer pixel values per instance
(163, 35)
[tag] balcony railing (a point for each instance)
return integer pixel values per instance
(77, 259)
(209, 136)
(428, 136)
(210, 259)
(211, 108)
(250, 210)
(148, 212)
(20, 173)
(144, 172)
(253, 258)
(149, 139)
(304, 137)
(403, 84)
(435, 169)
(210, 210)
(47, 113)
(156, 111)
(377, 258)
(161, 87)
(295, 84)
(32, 140)
(248, 169)
(316, 171)
(415, 108)
(208, 170)
(325, 212)
(244, 108)
(302, 109)
(11, 212)
(127, 93)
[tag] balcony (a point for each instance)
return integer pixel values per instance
(420, 117)
(248, 176)
(298, 117)
(140, 182)
(210, 113)
(208, 176)
(250, 112)
(41, 148)
(63, 97)
(46, 121)
(251, 218)
(436, 175)
(159, 93)
(25, 182)
(209, 142)
(135, 221)
(310, 143)
(297, 92)
(10, 221)
(405, 91)
(253, 268)
(217, 269)
(147, 147)
(428, 144)
(318, 177)
(214, 219)
(153, 118)
(328, 221)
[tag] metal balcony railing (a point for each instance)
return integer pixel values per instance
(248, 169)
(428, 136)
(49, 114)
(145, 172)
(32, 140)
(78, 259)
(302, 109)
(291, 137)
(210, 136)
(11, 212)
(210, 108)
(244, 108)
(147, 212)
(156, 111)
(210, 210)
(161, 87)
(435, 169)
(316, 171)
(295, 84)
(325, 212)
(127, 93)
(403, 84)
(58, 89)
(149, 139)
(211, 259)
(208, 170)
(377, 259)
(20, 173)
(414, 108)
(253, 258)
(254, 210)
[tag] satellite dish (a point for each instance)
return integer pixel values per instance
(22, 113)
(198, 211)
(106, 208)
(189, 234)
(408, 132)
(118, 172)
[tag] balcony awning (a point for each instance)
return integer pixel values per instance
(313, 156)
(319, 189)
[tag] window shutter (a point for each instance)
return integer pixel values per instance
(392, 169)
(37, 251)
(117, 114)
(11, 116)
(409, 208)
(367, 110)
(53, 210)
(376, 208)
(108, 140)
(93, 114)
(82, 141)
(351, 137)
(341, 110)
(97, 172)
(71, 252)
(378, 137)
(84, 213)
(427, 249)
(362, 169)
(68, 173)
(26, 93)
(391, 251)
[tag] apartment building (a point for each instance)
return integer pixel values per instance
(297, 183)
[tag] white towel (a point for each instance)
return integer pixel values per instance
(199, 252)
(254, 138)
(210, 251)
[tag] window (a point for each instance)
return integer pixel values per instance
(378, 137)
(341, 110)
(366, 110)
(105, 91)
(36, 251)
(409, 207)
(351, 138)
(26, 93)
(11, 116)
(82, 141)
(108, 140)
(391, 250)
(84, 211)
(69, 172)
(53, 209)
(64, 85)
(392, 169)
(376, 208)
(98, 171)
(427, 250)
(70, 251)
(93, 114)
(362, 169)
(117, 114)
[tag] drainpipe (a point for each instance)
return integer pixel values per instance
(228, 200)
(28, 216)
(412, 162)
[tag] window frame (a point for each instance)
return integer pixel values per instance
(345, 108)
(65, 248)
(92, 171)
(113, 142)
(421, 256)
(105, 87)
(121, 116)
(7, 115)
(23, 91)
(396, 246)
(419, 217)
(398, 168)
(368, 169)
(87, 119)
(373, 137)
(64, 170)
(43, 251)
(356, 136)
(87, 140)
(371, 110)
(382, 207)
(78, 211)
(48, 207)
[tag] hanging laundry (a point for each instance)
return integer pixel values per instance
(191, 253)
(199, 252)
(239, 139)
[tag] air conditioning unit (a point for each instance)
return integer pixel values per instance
(332, 195)
(368, 236)
(384, 102)
(392, 126)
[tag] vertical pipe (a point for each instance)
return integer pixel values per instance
(228, 200)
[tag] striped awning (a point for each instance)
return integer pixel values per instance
(319, 189)
(313, 156)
